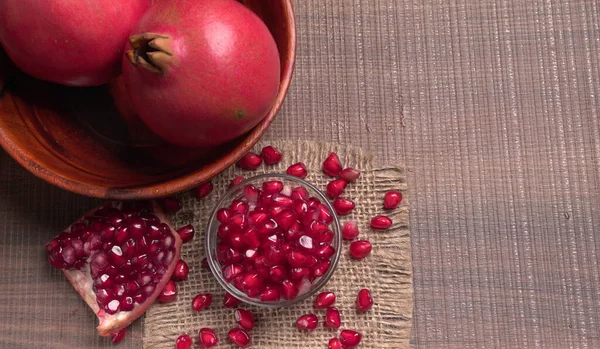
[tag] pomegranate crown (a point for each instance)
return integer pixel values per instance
(153, 52)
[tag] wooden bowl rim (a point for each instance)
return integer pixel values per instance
(186, 181)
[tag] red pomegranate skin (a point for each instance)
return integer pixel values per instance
(221, 77)
(70, 42)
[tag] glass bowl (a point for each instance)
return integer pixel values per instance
(236, 193)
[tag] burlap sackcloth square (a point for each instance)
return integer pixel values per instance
(387, 272)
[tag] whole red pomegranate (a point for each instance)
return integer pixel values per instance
(201, 72)
(76, 43)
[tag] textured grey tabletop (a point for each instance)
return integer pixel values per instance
(493, 105)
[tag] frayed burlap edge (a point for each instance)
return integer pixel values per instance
(387, 272)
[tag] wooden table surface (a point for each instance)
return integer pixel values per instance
(492, 104)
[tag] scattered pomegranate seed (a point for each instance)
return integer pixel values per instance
(207, 338)
(334, 343)
(271, 155)
(230, 301)
(201, 301)
(169, 204)
(350, 339)
(118, 337)
(181, 271)
(336, 187)
(392, 199)
(239, 337)
(360, 249)
(204, 263)
(324, 300)
(237, 180)
(343, 206)
(186, 233)
(350, 230)
(244, 318)
(349, 174)
(364, 300)
(332, 318)
(203, 190)
(183, 342)
(169, 293)
(297, 170)
(381, 222)
(250, 161)
(332, 165)
(307, 322)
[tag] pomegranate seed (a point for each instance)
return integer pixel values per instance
(360, 249)
(251, 193)
(201, 301)
(297, 170)
(237, 180)
(332, 165)
(244, 318)
(231, 271)
(203, 190)
(299, 273)
(381, 222)
(270, 294)
(238, 206)
(186, 233)
(364, 300)
(325, 251)
(278, 273)
(350, 339)
(300, 194)
(257, 218)
(271, 155)
(272, 187)
(181, 271)
(307, 322)
(343, 206)
(250, 161)
(169, 293)
(325, 215)
(332, 318)
(169, 204)
(183, 342)
(336, 187)
(230, 301)
(349, 174)
(296, 259)
(321, 269)
(118, 337)
(207, 338)
(334, 343)
(252, 281)
(239, 337)
(392, 199)
(350, 230)
(285, 219)
(290, 291)
(324, 300)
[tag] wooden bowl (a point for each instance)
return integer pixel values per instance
(83, 140)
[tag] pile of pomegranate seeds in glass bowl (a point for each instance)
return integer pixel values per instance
(273, 240)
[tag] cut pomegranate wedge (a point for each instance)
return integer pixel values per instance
(119, 257)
